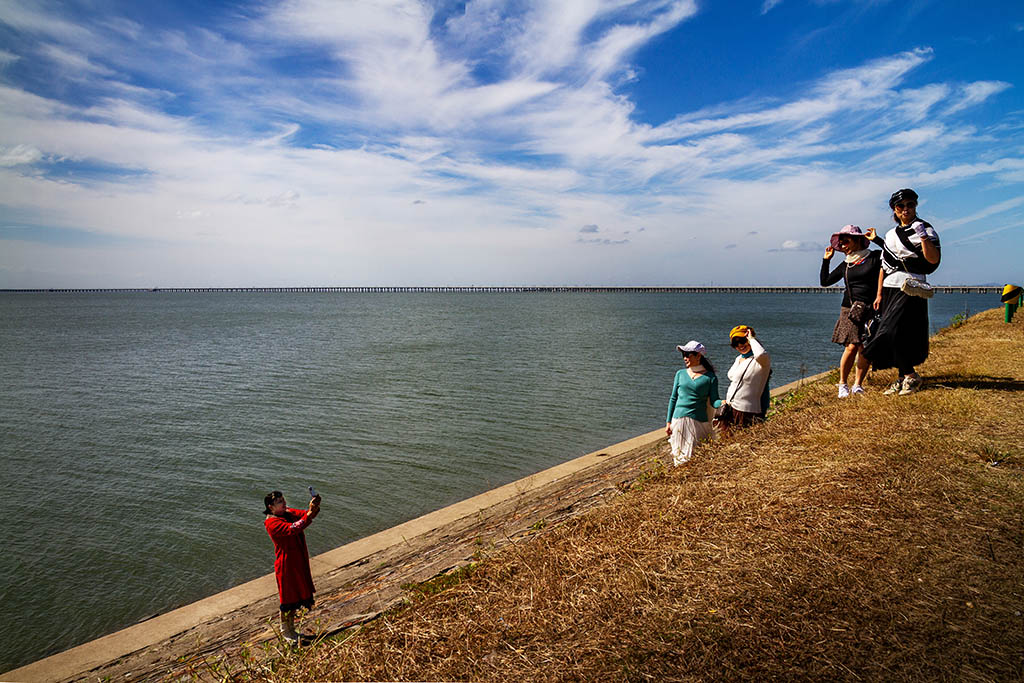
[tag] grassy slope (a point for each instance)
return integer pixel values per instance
(879, 537)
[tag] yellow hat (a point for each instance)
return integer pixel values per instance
(739, 331)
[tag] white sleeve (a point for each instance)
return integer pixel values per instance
(760, 355)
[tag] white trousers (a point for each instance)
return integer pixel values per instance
(687, 433)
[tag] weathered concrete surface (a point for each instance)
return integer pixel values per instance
(361, 579)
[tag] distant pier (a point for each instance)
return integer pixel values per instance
(962, 289)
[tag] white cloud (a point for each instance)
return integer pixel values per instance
(391, 60)
(982, 236)
(918, 102)
(959, 172)
(992, 210)
(74, 63)
(916, 137)
(975, 93)
(867, 88)
(40, 17)
(19, 154)
(608, 54)
(797, 245)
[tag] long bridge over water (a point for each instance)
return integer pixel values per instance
(964, 289)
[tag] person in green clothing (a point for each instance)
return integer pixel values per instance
(695, 386)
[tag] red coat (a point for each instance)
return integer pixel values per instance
(291, 558)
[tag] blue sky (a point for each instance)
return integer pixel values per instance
(404, 142)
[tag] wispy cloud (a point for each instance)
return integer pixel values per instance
(972, 94)
(18, 155)
(988, 211)
(797, 245)
(73, 63)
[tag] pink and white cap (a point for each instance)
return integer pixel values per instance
(846, 230)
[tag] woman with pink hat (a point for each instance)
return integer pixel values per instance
(695, 386)
(860, 271)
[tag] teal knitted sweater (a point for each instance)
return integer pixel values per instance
(690, 396)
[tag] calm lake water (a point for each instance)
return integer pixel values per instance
(139, 432)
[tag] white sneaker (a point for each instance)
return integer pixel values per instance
(856, 390)
(910, 385)
(844, 391)
(894, 388)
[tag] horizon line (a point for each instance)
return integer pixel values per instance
(374, 289)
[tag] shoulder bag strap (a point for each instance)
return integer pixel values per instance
(890, 257)
(732, 394)
(846, 283)
(917, 249)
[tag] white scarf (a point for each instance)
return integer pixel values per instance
(856, 257)
(695, 371)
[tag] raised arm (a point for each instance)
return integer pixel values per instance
(760, 355)
(826, 278)
(281, 527)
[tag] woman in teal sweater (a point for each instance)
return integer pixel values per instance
(688, 422)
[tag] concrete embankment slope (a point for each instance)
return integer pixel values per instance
(357, 581)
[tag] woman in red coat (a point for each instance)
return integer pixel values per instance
(291, 558)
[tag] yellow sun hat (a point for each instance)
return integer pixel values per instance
(739, 331)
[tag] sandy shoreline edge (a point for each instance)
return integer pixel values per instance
(358, 580)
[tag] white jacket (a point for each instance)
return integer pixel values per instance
(747, 378)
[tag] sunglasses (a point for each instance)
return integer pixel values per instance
(690, 354)
(738, 341)
(905, 205)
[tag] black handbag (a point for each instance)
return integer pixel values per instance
(870, 327)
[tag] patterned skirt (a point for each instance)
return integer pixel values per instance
(846, 331)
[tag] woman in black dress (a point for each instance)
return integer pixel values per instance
(910, 252)
(860, 271)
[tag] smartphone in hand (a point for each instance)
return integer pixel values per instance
(312, 492)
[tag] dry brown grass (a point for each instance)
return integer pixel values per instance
(872, 538)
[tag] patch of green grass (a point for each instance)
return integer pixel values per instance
(779, 404)
(958, 320)
(652, 471)
(442, 582)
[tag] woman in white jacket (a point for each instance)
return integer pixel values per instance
(748, 381)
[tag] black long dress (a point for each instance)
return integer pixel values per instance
(901, 340)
